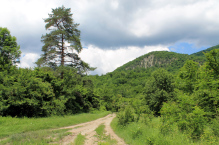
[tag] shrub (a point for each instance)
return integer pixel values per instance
(126, 116)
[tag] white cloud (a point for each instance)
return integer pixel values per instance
(114, 4)
(107, 24)
(28, 59)
(105, 60)
(173, 15)
(109, 60)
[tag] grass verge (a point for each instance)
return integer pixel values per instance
(37, 137)
(10, 126)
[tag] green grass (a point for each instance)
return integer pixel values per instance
(137, 133)
(79, 140)
(10, 126)
(104, 139)
(100, 131)
(37, 137)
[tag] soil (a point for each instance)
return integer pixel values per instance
(88, 129)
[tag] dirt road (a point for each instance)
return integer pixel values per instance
(88, 129)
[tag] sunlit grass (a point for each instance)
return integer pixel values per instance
(103, 138)
(37, 137)
(79, 140)
(100, 131)
(10, 126)
(137, 133)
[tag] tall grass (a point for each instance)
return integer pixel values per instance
(149, 133)
(10, 126)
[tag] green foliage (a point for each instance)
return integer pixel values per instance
(56, 51)
(186, 114)
(137, 133)
(186, 102)
(213, 61)
(126, 116)
(62, 28)
(202, 53)
(171, 61)
(40, 92)
(196, 105)
(215, 126)
(25, 95)
(187, 76)
(9, 50)
(207, 90)
(159, 89)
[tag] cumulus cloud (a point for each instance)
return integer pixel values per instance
(114, 25)
(119, 23)
(27, 60)
(151, 22)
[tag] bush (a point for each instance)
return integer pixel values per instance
(215, 126)
(26, 95)
(189, 118)
(126, 116)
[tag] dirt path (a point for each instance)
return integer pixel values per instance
(88, 129)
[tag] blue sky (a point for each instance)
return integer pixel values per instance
(186, 48)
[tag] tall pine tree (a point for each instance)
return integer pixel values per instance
(62, 45)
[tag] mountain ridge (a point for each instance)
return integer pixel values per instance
(172, 61)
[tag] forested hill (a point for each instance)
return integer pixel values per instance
(171, 61)
(201, 53)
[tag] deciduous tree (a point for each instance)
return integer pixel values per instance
(9, 50)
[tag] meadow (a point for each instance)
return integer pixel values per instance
(40, 130)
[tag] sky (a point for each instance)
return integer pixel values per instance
(114, 32)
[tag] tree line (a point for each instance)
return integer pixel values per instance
(58, 85)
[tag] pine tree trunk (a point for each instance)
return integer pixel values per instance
(62, 56)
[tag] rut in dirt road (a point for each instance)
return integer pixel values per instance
(88, 129)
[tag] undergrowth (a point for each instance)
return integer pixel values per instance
(139, 133)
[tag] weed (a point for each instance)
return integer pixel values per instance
(105, 139)
(79, 140)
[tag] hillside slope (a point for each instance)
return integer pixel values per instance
(201, 53)
(171, 61)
